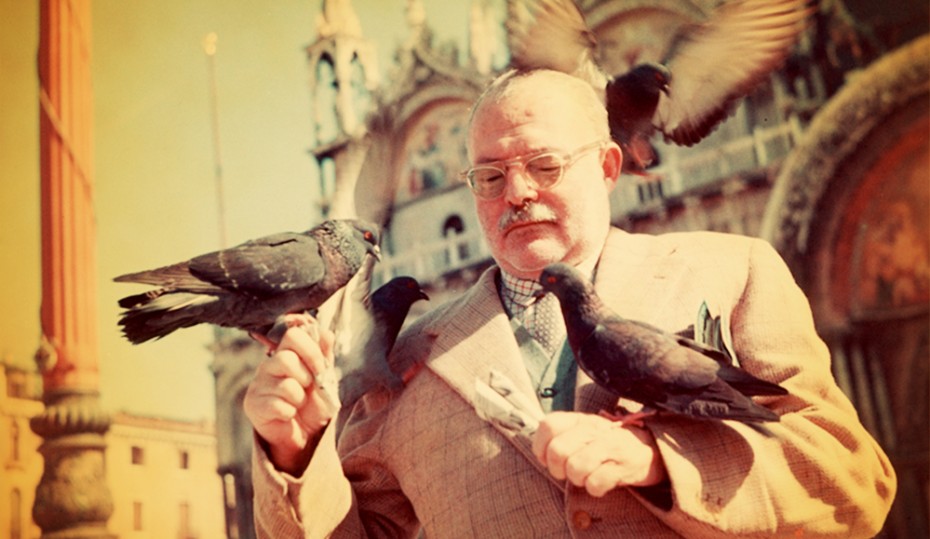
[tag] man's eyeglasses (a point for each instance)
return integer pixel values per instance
(540, 171)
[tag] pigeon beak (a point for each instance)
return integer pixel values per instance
(375, 251)
(423, 295)
(539, 294)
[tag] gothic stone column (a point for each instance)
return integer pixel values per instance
(72, 498)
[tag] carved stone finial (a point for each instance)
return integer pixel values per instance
(416, 15)
(338, 17)
(481, 37)
(46, 356)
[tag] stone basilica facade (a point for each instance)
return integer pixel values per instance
(829, 161)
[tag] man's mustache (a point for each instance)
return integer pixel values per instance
(531, 212)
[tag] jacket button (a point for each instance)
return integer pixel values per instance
(582, 520)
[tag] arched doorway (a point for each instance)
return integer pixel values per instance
(850, 212)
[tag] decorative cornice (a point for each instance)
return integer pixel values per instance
(860, 107)
(422, 68)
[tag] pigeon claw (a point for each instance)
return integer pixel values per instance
(620, 419)
(272, 338)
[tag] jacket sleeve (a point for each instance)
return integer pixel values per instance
(344, 492)
(816, 472)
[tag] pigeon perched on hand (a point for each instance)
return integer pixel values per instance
(643, 363)
(372, 322)
(250, 286)
(709, 68)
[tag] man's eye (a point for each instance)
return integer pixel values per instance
(487, 177)
(546, 164)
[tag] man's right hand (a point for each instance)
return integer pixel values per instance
(284, 405)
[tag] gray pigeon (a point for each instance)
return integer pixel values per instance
(252, 285)
(709, 68)
(373, 326)
(643, 363)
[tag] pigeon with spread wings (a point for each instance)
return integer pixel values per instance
(250, 286)
(708, 69)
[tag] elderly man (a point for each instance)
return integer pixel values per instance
(424, 459)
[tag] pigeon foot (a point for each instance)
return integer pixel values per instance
(621, 420)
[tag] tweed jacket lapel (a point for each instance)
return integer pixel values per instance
(473, 338)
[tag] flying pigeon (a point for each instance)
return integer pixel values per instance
(708, 69)
(250, 286)
(643, 363)
(373, 321)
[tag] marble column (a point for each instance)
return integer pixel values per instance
(72, 498)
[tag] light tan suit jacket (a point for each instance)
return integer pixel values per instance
(424, 457)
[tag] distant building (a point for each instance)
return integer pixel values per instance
(20, 462)
(161, 472)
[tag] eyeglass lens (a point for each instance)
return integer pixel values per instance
(544, 171)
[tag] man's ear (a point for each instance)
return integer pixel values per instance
(612, 164)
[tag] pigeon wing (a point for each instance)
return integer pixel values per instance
(715, 64)
(173, 277)
(265, 266)
(552, 34)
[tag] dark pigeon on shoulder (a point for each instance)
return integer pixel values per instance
(367, 328)
(708, 69)
(250, 286)
(643, 363)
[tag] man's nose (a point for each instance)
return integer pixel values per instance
(520, 187)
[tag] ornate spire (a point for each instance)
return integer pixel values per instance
(482, 40)
(416, 15)
(338, 17)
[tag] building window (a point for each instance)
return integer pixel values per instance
(650, 190)
(327, 90)
(327, 181)
(458, 251)
(184, 518)
(138, 456)
(361, 97)
(185, 460)
(16, 514)
(229, 490)
(16, 385)
(137, 516)
(229, 495)
(14, 439)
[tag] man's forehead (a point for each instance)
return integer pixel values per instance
(535, 122)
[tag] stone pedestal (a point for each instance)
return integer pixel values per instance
(72, 499)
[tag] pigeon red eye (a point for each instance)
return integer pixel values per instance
(369, 236)
(550, 280)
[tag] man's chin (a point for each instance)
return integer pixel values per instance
(528, 257)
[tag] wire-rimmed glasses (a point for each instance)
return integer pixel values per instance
(540, 170)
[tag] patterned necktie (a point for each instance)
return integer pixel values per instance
(543, 319)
